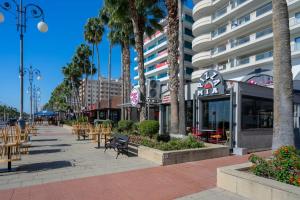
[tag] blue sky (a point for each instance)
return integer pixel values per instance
(48, 51)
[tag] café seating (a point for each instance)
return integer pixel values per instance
(119, 143)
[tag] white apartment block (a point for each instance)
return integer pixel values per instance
(99, 87)
(235, 37)
(156, 52)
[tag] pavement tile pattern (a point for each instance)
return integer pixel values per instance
(143, 181)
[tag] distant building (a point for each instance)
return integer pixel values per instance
(97, 90)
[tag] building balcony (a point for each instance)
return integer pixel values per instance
(250, 43)
(205, 7)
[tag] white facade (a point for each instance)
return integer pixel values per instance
(92, 90)
(235, 37)
(156, 53)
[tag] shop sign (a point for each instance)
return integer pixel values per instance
(166, 99)
(134, 97)
(211, 83)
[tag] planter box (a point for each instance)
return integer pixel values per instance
(181, 156)
(235, 179)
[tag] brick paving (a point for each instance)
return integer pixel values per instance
(155, 183)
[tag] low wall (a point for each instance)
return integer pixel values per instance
(235, 179)
(181, 156)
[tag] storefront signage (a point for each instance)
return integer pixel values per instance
(166, 99)
(211, 83)
(134, 97)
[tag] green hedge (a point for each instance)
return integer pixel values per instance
(149, 128)
(125, 125)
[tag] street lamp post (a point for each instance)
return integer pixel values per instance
(31, 72)
(22, 14)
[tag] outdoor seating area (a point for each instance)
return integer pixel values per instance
(14, 142)
(218, 136)
(101, 133)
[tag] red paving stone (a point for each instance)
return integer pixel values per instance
(158, 183)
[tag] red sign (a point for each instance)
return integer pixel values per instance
(135, 97)
(166, 99)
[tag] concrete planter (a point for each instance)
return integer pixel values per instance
(235, 179)
(181, 156)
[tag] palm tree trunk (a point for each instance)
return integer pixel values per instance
(99, 84)
(283, 78)
(181, 90)
(91, 71)
(123, 82)
(109, 77)
(127, 81)
(138, 29)
(173, 62)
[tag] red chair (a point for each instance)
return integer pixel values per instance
(217, 136)
(196, 133)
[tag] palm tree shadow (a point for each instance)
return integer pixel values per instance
(44, 151)
(44, 166)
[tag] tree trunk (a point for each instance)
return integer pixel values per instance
(283, 78)
(172, 34)
(99, 84)
(138, 29)
(123, 83)
(127, 75)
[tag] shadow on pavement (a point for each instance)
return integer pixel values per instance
(44, 166)
(44, 151)
(43, 140)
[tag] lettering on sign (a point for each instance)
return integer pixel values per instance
(211, 83)
(134, 97)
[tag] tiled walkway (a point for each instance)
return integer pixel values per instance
(155, 183)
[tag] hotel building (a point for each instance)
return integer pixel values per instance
(231, 87)
(156, 52)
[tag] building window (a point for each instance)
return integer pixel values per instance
(188, 57)
(240, 21)
(256, 113)
(264, 32)
(219, 31)
(187, 45)
(265, 8)
(188, 18)
(297, 43)
(188, 32)
(189, 71)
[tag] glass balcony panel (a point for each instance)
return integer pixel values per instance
(265, 8)
(264, 32)
(220, 12)
(240, 21)
(235, 3)
(264, 55)
(243, 61)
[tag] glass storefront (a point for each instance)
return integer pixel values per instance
(256, 113)
(216, 114)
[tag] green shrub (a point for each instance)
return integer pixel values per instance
(283, 167)
(125, 125)
(107, 123)
(174, 144)
(149, 128)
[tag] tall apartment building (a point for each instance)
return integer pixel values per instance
(156, 53)
(235, 37)
(231, 93)
(89, 93)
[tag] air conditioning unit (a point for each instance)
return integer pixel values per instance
(153, 89)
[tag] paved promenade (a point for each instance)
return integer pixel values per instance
(86, 173)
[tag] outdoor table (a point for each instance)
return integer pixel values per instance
(9, 146)
(98, 138)
(207, 132)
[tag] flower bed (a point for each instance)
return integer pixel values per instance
(284, 166)
(174, 144)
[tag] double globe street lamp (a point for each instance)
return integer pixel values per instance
(22, 14)
(31, 73)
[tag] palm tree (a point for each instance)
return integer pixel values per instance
(93, 33)
(82, 60)
(173, 44)
(283, 79)
(121, 32)
(145, 16)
